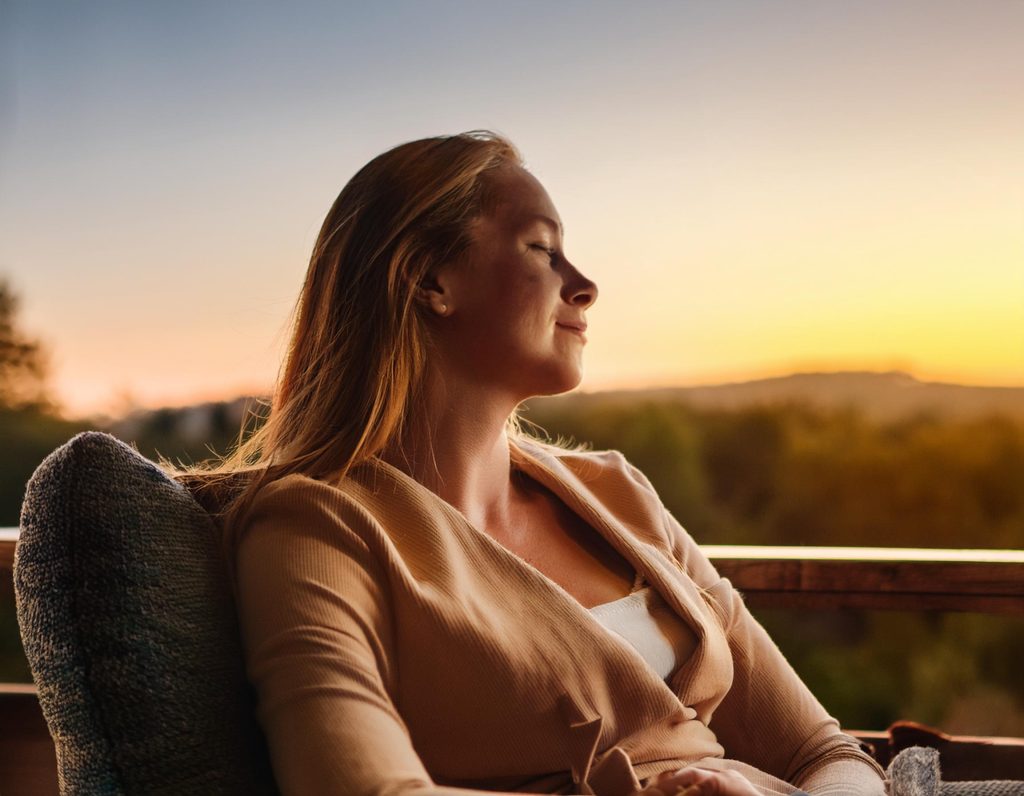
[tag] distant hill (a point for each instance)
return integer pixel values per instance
(880, 396)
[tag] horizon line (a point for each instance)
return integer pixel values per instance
(652, 386)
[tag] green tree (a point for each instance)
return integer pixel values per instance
(23, 364)
(29, 424)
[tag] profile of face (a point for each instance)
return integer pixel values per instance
(511, 313)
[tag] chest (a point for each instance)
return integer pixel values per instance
(489, 653)
(492, 637)
(559, 543)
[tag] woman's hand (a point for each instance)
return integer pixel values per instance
(699, 782)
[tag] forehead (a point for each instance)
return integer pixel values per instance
(519, 198)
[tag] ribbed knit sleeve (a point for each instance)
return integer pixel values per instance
(769, 718)
(318, 636)
(395, 649)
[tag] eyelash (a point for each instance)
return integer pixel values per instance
(551, 253)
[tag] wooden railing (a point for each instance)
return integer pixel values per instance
(8, 538)
(28, 762)
(906, 579)
(988, 581)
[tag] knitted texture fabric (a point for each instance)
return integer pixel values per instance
(130, 631)
(916, 772)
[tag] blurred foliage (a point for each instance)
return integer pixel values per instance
(22, 359)
(212, 431)
(787, 474)
(27, 436)
(869, 668)
(795, 475)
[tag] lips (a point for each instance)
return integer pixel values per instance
(575, 327)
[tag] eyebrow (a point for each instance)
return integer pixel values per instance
(549, 221)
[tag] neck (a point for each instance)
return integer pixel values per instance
(457, 447)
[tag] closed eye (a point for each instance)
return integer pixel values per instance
(551, 253)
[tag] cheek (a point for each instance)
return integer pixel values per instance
(534, 291)
(511, 298)
(524, 298)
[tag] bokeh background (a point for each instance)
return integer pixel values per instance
(806, 220)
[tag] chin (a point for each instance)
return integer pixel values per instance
(560, 381)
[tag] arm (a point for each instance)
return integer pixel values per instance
(793, 736)
(318, 637)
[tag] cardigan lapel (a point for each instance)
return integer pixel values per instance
(680, 594)
(609, 773)
(647, 559)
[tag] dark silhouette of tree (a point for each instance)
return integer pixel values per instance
(22, 359)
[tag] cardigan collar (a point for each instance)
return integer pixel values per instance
(607, 773)
(655, 564)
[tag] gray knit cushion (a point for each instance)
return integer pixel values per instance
(915, 772)
(130, 630)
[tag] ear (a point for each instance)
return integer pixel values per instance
(434, 292)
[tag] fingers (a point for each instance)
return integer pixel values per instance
(700, 782)
(685, 778)
(667, 790)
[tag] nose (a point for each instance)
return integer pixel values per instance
(578, 290)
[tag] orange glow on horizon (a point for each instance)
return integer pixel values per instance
(756, 193)
(100, 403)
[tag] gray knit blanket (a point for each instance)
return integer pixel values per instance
(915, 772)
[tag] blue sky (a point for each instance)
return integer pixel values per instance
(757, 187)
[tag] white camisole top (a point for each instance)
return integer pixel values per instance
(643, 619)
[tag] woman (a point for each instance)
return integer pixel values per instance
(433, 602)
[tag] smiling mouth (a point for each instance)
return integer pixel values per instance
(577, 330)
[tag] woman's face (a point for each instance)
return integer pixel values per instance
(516, 304)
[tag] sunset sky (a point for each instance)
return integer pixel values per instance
(757, 187)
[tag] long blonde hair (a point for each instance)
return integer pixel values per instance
(355, 362)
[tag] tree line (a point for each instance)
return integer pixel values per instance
(787, 474)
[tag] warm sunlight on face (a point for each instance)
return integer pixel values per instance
(517, 304)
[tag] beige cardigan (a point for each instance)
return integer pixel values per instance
(395, 648)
